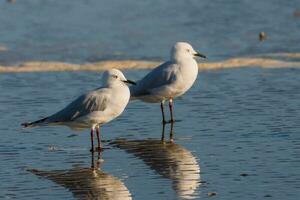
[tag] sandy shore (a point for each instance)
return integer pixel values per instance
(274, 61)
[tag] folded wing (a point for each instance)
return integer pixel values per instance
(83, 105)
(158, 77)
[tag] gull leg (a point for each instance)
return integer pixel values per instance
(171, 110)
(92, 139)
(99, 148)
(92, 161)
(163, 112)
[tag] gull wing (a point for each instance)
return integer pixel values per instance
(158, 77)
(83, 105)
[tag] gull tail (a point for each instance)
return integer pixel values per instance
(35, 123)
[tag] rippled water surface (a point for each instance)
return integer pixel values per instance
(237, 135)
(92, 30)
(237, 130)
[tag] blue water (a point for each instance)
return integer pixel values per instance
(92, 30)
(237, 134)
(239, 127)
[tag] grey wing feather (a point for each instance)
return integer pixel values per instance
(87, 103)
(160, 76)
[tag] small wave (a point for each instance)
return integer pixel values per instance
(61, 66)
(284, 55)
(273, 62)
(249, 62)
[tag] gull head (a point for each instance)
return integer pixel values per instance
(115, 77)
(183, 50)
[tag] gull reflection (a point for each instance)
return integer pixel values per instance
(168, 159)
(88, 183)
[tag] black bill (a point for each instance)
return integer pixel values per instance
(200, 55)
(130, 82)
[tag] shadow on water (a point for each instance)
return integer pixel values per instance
(88, 183)
(168, 159)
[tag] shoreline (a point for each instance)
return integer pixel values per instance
(41, 66)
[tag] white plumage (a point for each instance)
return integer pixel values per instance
(94, 108)
(169, 80)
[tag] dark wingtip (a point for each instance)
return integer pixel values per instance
(25, 125)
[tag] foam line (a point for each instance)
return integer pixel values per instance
(138, 64)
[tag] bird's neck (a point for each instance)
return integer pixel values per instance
(181, 58)
(113, 84)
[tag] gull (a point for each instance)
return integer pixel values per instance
(169, 80)
(93, 109)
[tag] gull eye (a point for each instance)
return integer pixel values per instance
(188, 50)
(115, 76)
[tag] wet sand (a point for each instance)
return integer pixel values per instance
(274, 61)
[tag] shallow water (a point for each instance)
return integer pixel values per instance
(238, 127)
(92, 30)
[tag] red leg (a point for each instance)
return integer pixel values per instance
(163, 112)
(99, 148)
(92, 161)
(171, 110)
(92, 139)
